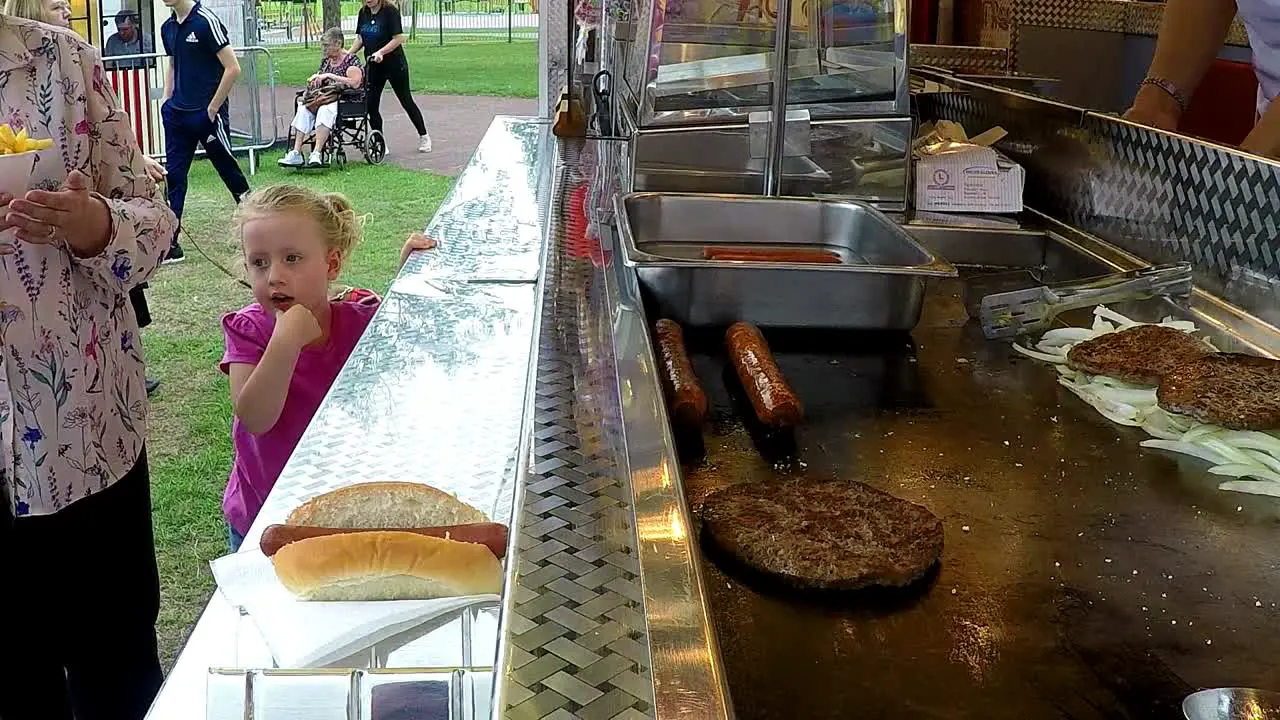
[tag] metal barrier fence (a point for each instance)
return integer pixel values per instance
(440, 22)
(139, 84)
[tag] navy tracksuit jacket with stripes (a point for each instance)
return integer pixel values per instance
(193, 44)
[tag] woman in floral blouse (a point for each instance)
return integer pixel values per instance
(81, 593)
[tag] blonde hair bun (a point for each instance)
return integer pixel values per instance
(340, 226)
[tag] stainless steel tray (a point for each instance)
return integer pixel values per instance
(879, 284)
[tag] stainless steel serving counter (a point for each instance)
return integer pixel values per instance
(1083, 577)
(434, 393)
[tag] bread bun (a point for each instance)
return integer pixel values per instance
(386, 566)
(385, 505)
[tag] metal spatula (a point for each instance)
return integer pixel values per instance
(1009, 314)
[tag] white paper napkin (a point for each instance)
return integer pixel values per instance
(310, 634)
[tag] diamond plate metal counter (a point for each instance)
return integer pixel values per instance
(1119, 16)
(575, 644)
(431, 394)
(434, 393)
(489, 226)
(975, 60)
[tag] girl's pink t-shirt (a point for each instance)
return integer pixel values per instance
(259, 459)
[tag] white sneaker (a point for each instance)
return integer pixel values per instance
(292, 159)
(315, 160)
(425, 145)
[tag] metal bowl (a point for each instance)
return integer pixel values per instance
(1232, 704)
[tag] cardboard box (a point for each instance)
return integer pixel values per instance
(961, 175)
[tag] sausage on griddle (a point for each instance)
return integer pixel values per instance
(685, 398)
(773, 400)
(491, 535)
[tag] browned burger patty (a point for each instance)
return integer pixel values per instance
(831, 534)
(1138, 355)
(1241, 392)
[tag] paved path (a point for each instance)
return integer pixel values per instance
(456, 124)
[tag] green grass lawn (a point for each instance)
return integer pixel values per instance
(190, 445)
(480, 68)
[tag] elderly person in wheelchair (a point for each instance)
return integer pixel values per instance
(317, 112)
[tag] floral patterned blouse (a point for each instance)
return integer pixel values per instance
(73, 407)
(338, 67)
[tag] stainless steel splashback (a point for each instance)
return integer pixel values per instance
(1160, 196)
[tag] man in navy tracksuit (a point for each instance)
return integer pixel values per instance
(202, 71)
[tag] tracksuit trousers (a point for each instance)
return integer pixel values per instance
(184, 131)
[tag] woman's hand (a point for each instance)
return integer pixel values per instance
(1264, 139)
(155, 170)
(71, 214)
(376, 57)
(1155, 108)
(297, 326)
(416, 241)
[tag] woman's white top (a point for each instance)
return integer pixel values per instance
(1261, 20)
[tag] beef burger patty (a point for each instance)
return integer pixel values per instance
(830, 534)
(1241, 392)
(1140, 354)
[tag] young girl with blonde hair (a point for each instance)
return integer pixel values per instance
(285, 350)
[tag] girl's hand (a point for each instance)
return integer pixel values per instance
(70, 214)
(416, 241)
(376, 57)
(297, 326)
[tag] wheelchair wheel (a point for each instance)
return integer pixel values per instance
(340, 158)
(375, 148)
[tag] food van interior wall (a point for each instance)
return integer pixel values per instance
(1160, 196)
(1060, 53)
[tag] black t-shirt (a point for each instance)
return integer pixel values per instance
(377, 29)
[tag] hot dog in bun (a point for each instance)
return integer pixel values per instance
(386, 541)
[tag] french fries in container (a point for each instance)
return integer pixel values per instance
(17, 160)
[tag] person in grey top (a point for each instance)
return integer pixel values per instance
(128, 39)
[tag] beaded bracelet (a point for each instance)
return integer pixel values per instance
(1170, 89)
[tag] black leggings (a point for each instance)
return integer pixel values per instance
(393, 69)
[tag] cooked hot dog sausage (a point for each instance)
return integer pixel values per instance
(775, 403)
(798, 255)
(492, 535)
(685, 398)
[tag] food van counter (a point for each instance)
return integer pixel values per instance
(434, 392)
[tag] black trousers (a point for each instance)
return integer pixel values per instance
(393, 69)
(79, 608)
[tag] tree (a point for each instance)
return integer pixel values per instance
(332, 13)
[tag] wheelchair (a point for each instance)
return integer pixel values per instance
(352, 131)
